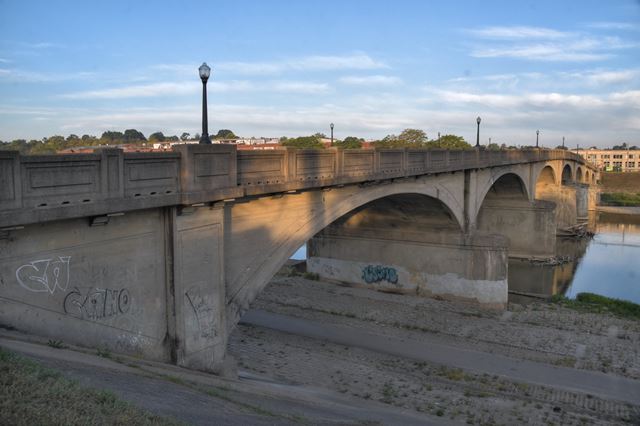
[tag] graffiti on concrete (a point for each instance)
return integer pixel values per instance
(45, 275)
(376, 273)
(204, 312)
(97, 303)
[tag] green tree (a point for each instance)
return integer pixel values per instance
(157, 137)
(303, 142)
(350, 142)
(185, 136)
(225, 134)
(448, 142)
(413, 137)
(133, 136)
(562, 147)
(111, 137)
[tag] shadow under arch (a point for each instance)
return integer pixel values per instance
(250, 281)
(579, 174)
(546, 178)
(526, 224)
(567, 175)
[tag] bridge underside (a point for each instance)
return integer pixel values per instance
(170, 283)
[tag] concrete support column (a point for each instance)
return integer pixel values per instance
(564, 198)
(199, 287)
(582, 201)
(530, 227)
(436, 264)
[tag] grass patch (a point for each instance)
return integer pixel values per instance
(590, 302)
(32, 394)
(311, 276)
(624, 199)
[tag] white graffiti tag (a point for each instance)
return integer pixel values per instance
(45, 275)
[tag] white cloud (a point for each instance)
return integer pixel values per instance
(358, 61)
(613, 26)
(17, 75)
(541, 52)
(371, 80)
(138, 91)
(189, 87)
(545, 44)
(519, 32)
(612, 77)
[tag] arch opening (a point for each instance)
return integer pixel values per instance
(566, 175)
(546, 181)
(508, 186)
(579, 175)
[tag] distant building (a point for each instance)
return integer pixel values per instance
(612, 160)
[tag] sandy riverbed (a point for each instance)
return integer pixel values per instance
(539, 332)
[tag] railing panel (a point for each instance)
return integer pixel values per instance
(391, 161)
(261, 167)
(146, 175)
(315, 165)
(358, 162)
(60, 180)
(416, 161)
(437, 160)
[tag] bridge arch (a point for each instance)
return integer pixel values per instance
(252, 272)
(567, 174)
(513, 185)
(579, 176)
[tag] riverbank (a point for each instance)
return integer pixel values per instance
(546, 334)
(619, 210)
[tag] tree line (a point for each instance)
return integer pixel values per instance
(408, 138)
(53, 144)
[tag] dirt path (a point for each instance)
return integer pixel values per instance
(546, 334)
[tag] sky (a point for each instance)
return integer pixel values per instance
(289, 68)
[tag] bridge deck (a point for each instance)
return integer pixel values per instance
(53, 187)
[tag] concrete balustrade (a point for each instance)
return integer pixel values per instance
(52, 187)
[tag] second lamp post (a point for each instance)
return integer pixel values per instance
(478, 120)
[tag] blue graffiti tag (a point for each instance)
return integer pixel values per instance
(377, 273)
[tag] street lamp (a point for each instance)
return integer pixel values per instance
(205, 72)
(563, 142)
(331, 125)
(537, 136)
(478, 120)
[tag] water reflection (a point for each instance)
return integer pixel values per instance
(606, 264)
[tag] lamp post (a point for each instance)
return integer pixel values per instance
(205, 72)
(331, 125)
(537, 135)
(563, 142)
(478, 120)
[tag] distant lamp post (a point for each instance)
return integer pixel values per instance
(331, 125)
(205, 72)
(563, 142)
(478, 120)
(537, 137)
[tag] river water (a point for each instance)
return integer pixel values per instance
(607, 264)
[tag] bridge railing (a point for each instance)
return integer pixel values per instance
(50, 187)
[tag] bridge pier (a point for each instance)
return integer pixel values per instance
(411, 244)
(529, 227)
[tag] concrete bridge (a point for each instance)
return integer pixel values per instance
(159, 254)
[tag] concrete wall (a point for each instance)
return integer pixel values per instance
(96, 286)
(441, 265)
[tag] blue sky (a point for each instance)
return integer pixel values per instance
(568, 68)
